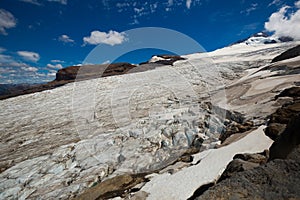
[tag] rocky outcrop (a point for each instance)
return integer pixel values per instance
(67, 75)
(93, 71)
(287, 141)
(278, 179)
(243, 162)
(163, 59)
(263, 176)
(291, 53)
(109, 188)
(282, 116)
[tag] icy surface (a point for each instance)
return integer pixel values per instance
(211, 165)
(56, 143)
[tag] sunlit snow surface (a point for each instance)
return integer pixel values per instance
(56, 143)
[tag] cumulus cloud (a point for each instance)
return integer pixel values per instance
(283, 23)
(57, 66)
(13, 70)
(38, 2)
(188, 3)
(7, 20)
(65, 39)
(28, 55)
(111, 38)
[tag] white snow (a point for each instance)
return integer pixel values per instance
(183, 184)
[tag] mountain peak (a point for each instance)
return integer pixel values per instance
(263, 38)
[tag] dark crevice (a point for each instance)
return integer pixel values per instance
(201, 190)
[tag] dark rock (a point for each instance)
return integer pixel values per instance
(93, 71)
(287, 141)
(283, 115)
(168, 59)
(286, 39)
(67, 75)
(291, 53)
(242, 162)
(254, 158)
(278, 179)
(290, 92)
(235, 128)
(270, 42)
(237, 165)
(113, 187)
(274, 130)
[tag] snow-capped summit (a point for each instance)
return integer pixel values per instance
(264, 38)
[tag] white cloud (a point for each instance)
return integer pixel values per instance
(6, 59)
(34, 2)
(38, 2)
(253, 7)
(284, 24)
(57, 61)
(111, 38)
(64, 2)
(188, 3)
(138, 10)
(57, 66)
(29, 69)
(2, 49)
(65, 39)
(122, 5)
(275, 2)
(297, 4)
(170, 2)
(7, 20)
(28, 55)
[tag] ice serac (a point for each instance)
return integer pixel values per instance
(57, 143)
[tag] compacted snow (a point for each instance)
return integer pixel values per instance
(57, 143)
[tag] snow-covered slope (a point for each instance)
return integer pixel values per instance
(57, 143)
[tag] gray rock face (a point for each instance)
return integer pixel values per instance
(287, 141)
(291, 53)
(279, 179)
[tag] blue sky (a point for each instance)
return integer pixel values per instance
(37, 37)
